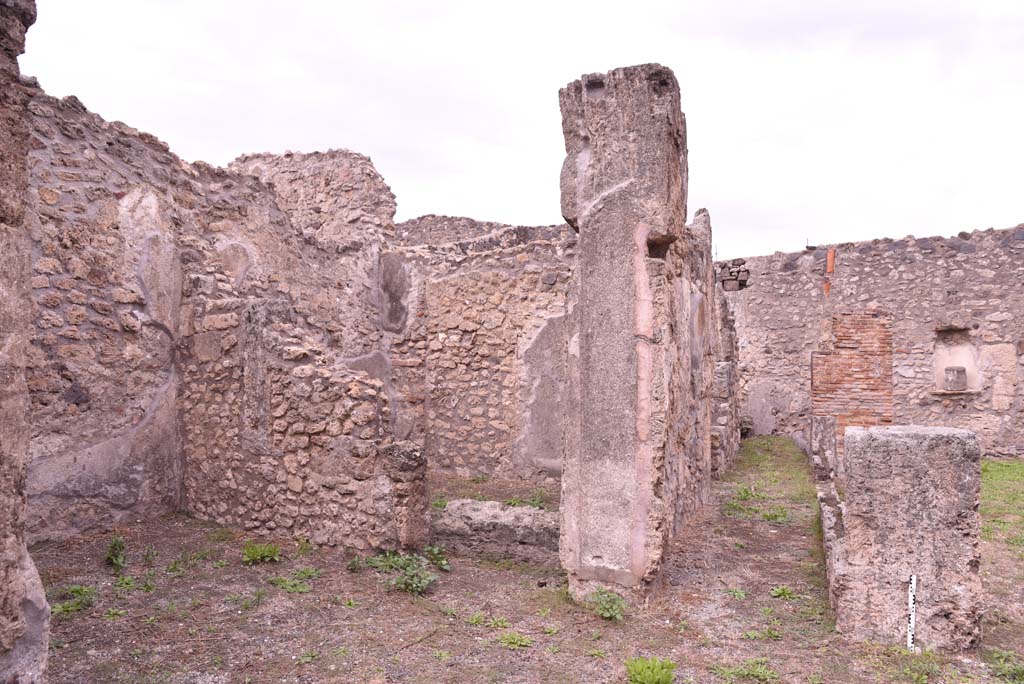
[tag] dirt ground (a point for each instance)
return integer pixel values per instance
(744, 582)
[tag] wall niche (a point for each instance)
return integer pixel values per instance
(955, 366)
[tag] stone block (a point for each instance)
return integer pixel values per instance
(494, 530)
(908, 506)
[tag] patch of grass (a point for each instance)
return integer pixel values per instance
(514, 641)
(607, 604)
(306, 573)
(149, 556)
(914, 668)
(221, 534)
(650, 670)
(303, 547)
(1006, 666)
(442, 655)
(440, 503)
(753, 670)
(176, 568)
(597, 653)
(254, 553)
(76, 598)
(124, 583)
(476, 619)
(307, 657)
(535, 499)
(738, 594)
(114, 614)
(1002, 499)
(291, 585)
(776, 514)
(769, 633)
(551, 630)
(498, 623)
(117, 554)
(783, 592)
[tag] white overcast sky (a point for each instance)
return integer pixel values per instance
(820, 121)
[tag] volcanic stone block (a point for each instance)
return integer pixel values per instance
(908, 506)
(624, 189)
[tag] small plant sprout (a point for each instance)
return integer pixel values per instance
(607, 604)
(738, 594)
(117, 554)
(498, 623)
(783, 592)
(476, 619)
(307, 657)
(76, 598)
(114, 614)
(436, 555)
(514, 641)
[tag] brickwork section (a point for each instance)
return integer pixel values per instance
(852, 381)
(951, 307)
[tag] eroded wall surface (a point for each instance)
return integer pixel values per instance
(637, 448)
(24, 615)
(478, 340)
(951, 307)
(879, 537)
(208, 340)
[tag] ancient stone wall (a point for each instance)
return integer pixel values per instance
(900, 507)
(637, 452)
(952, 305)
(106, 289)
(477, 342)
(24, 615)
(208, 342)
(725, 409)
(851, 376)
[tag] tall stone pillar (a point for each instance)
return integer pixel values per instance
(623, 188)
(24, 615)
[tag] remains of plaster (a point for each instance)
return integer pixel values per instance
(637, 445)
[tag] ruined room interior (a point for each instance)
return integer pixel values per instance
(256, 430)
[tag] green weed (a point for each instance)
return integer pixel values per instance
(254, 553)
(650, 670)
(515, 641)
(607, 604)
(117, 554)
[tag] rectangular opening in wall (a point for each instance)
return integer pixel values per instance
(955, 362)
(657, 247)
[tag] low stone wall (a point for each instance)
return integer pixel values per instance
(490, 529)
(901, 502)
